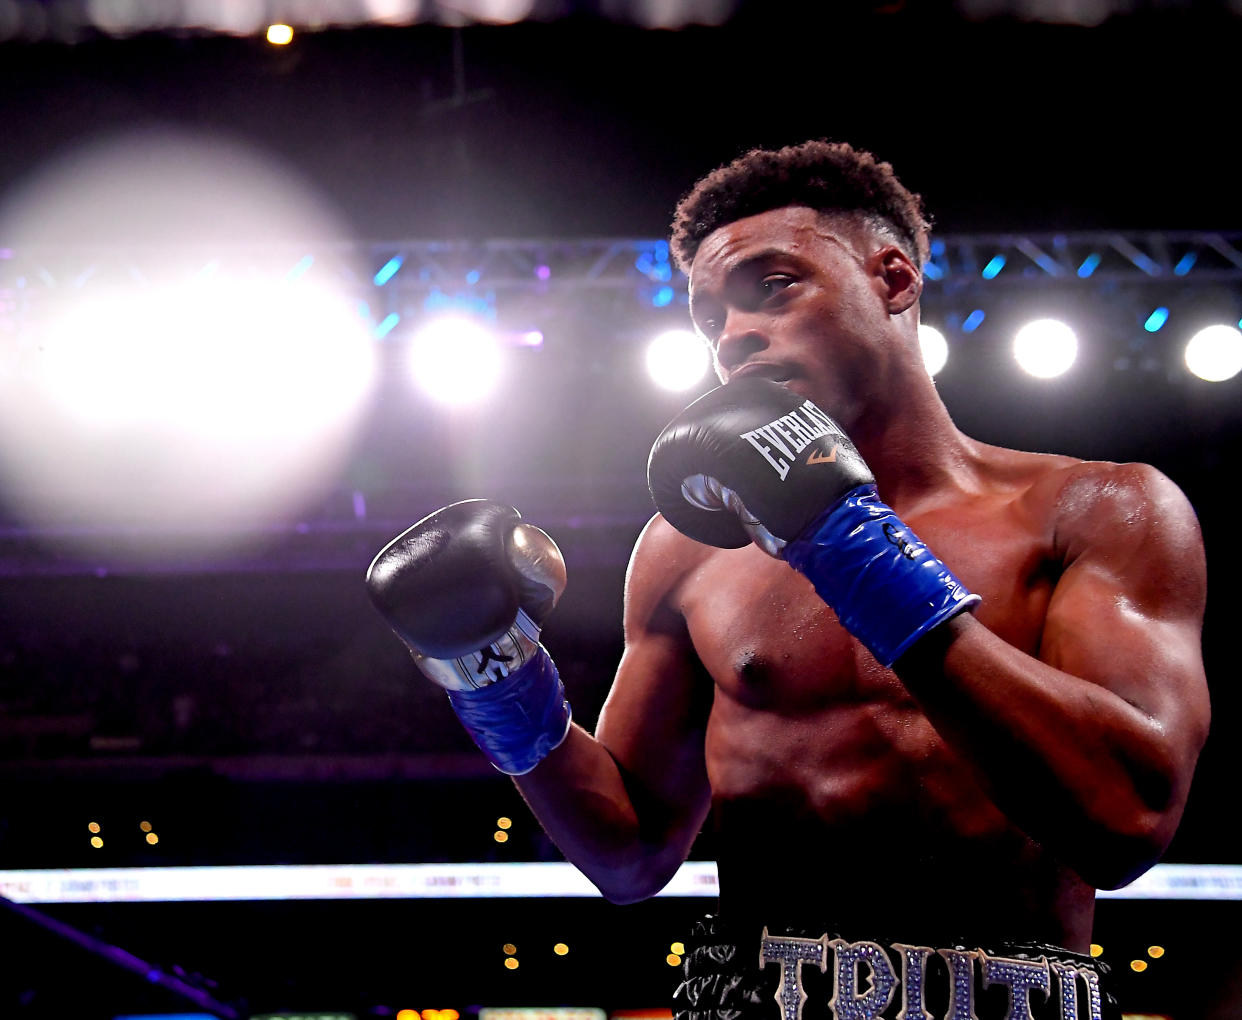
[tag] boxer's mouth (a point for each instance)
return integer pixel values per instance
(762, 370)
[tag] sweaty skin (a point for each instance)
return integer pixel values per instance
(1013, 761)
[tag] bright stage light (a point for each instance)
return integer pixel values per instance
(234, 360)
(935, 348)
(195, 404)
(456, 361)
(677, 359)
(1215, 353)
(1045, 348)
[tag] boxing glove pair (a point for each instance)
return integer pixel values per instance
(468, 587)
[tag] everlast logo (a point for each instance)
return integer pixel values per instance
(866, 985)
(780, 441)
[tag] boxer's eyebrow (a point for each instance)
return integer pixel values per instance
(746, 266)
(760, 258)
(736, 272)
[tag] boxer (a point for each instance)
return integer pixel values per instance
(928, 694)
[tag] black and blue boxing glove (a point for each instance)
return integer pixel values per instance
(467, 589)
(754, 462)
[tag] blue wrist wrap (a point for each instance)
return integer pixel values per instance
(519, 720)
(885, 585)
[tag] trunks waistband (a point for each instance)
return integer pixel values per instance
(773, 974)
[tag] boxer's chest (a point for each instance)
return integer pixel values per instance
(770, 642)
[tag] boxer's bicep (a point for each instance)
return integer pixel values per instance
(1127, 612)
(654, 720)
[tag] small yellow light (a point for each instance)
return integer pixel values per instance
(93, 827)
(1096, 950)
(511, 962)
(500, 836)
(673, 960)
(504, 823)
(1138, 966)
(145, 826)
(152, 838)
(560, 949)
(679, 948)
(1155, 952)
(279, 35)
(96, 842)
(407, 1014)
(510, 949)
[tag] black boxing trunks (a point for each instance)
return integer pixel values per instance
(772, 974)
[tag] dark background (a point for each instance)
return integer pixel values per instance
(258, 712)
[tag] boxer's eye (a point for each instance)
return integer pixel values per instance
(774, 283)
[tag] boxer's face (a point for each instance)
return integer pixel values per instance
(802, 298)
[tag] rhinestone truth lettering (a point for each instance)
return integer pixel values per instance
(866, 985)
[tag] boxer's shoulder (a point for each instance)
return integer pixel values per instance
(1126, 518)
(1071, 496)
(662, 563)
(1098, 503)
(663, 549)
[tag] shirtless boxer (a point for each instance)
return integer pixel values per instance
(913, 794)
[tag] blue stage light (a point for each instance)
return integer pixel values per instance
(468, 303)
(973, 321)
(386, 324)
(654, 262)
(1157, 319)
(663, 297)
(1185, 263)
(1089, 265)
(993, 268)
(388, 270)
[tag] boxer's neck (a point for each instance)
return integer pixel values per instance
(912, 445)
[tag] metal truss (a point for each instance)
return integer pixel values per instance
(534, 278)
(967, 261)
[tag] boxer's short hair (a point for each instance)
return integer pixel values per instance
(826, 176)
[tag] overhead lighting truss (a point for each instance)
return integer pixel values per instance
(396, 278)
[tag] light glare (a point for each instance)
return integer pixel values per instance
(677, 360)
(1214, 354)
(198, 394)
(211, 357)
(935, 348)
(455, 361)
(1045, 348)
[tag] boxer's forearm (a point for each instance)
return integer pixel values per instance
(579, 797)
(1097, 780)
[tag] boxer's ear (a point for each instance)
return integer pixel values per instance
(897, 279)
